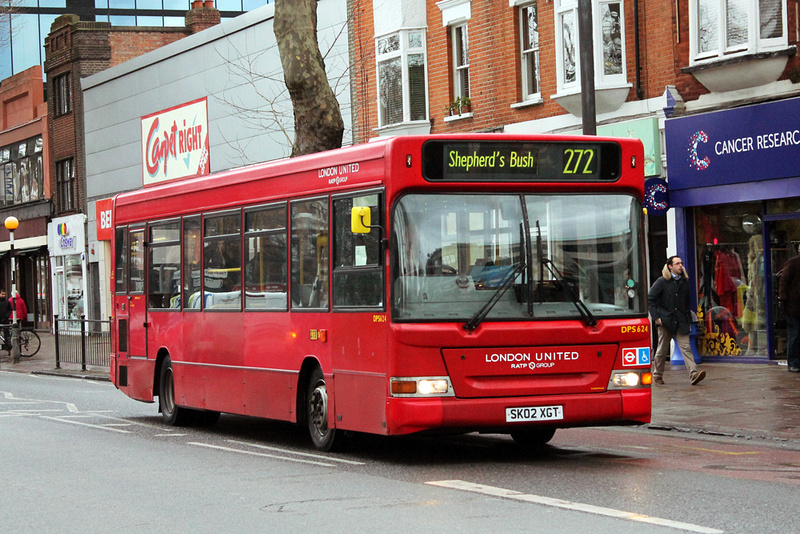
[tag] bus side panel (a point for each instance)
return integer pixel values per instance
(272, 358)
(360, 361)
(212, 377)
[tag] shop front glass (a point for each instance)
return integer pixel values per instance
(731, 292)
(784, 238)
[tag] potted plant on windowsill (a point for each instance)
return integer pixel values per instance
(451, 108)
(464, 104)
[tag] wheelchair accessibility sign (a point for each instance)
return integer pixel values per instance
(637, 356)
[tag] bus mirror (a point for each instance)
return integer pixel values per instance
(360, 220)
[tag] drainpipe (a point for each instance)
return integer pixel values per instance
(637, 60)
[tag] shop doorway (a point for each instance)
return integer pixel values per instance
(784, 238)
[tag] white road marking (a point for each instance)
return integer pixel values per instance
(102, 427)
(570, 505)
(318, 456)
(253, 453)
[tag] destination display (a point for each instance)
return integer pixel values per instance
(534, 161)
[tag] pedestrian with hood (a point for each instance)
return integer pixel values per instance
(670, 309)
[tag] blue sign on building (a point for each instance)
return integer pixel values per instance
(751, 143)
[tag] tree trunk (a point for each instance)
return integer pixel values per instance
(318, 123)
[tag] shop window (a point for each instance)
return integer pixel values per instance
(731, 294)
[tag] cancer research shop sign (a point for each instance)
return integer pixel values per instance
(175, 143)
(751, 143)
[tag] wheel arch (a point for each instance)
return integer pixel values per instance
(309, 364)
(160, 357)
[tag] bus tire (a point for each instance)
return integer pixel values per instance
(172, 414)
(533, 437)
(317, 408)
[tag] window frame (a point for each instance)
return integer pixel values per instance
(753, 44)
(404, 51)
(283, 205)
(294, 268)
(526, 94)
(459, 70)
(62, 94)
(216, 238)
(151, 247)
(602, 80)
(379, 267)
(67, 189)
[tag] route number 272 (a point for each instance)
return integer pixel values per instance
(578, 161)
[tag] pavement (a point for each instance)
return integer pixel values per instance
(757, 401)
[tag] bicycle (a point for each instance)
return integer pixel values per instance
(29, 340)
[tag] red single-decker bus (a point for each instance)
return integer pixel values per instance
(490, 283)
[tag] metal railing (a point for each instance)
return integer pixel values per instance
(83, 341)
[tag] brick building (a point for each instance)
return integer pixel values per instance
(25, 192)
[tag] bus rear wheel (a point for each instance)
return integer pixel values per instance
(317, 406)
(533, 437)
(172, 414)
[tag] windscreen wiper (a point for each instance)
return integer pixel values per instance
(586, 314)
(473, 323)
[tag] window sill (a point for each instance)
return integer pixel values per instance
(742, 71)
(405, 128)
(527, 103)
(453, 118)
(607, 99)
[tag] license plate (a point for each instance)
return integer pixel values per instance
(534, 413)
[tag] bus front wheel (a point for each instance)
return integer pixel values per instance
(322, 435)
(533, 437)
(172, 414)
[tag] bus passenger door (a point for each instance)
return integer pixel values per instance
(136, 301)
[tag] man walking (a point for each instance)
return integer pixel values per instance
(670, 311)
(789, 298)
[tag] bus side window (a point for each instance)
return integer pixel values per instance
(358, 277)
(121, 261)
(136, 261)
(310, 254)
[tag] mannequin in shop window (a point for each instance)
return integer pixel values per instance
(753, 318)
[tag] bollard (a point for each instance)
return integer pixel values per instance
(55, 323)
(83, 342)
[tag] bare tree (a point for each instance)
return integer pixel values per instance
(318, 123)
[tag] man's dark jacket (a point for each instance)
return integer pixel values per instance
(5, 311)
(669, 301)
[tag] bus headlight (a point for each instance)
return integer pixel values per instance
(422, 386)
(630, 379)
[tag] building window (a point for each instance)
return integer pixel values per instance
(529, 45)
(724, 28)
(402, 80)
(460, 42)
(62, 87)
(65, 185)
(608, 39)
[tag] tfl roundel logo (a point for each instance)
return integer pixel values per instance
(638, 356)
